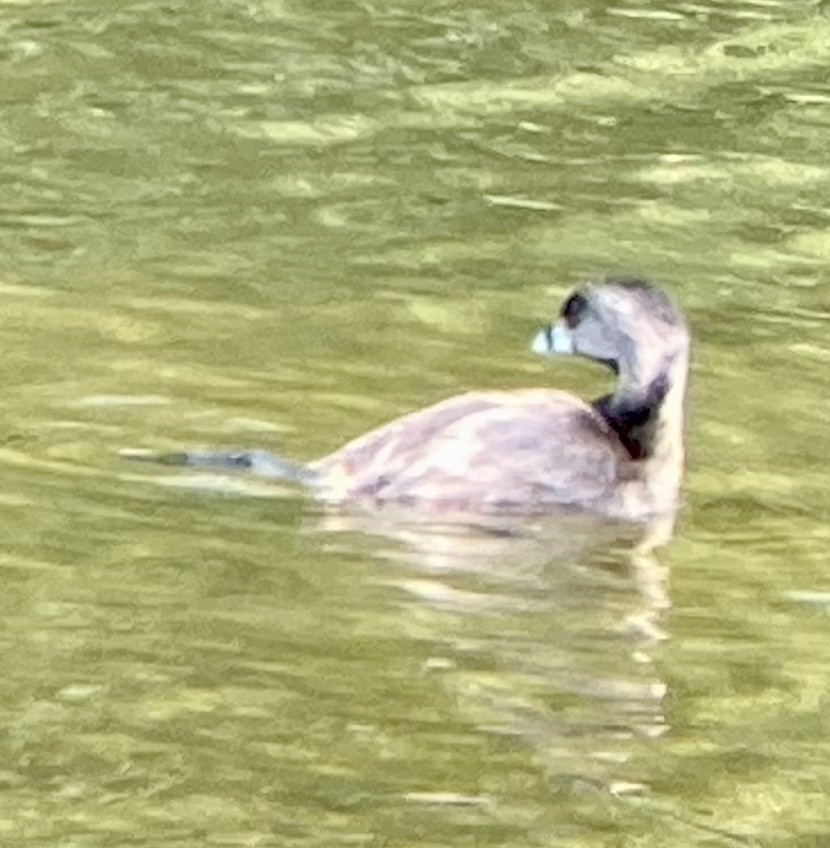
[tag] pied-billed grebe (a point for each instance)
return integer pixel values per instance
(529, 450)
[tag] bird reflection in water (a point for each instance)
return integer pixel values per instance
(547, 630)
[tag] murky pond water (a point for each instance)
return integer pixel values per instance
(276, 225)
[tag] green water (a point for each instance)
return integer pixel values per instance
(278, 224)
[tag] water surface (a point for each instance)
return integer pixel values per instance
(273, 225)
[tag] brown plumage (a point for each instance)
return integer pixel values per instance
(530, 450)
(488, 451)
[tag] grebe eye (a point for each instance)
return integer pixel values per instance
(574, 309)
